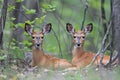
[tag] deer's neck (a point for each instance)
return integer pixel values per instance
(38, 55)
(77, 51)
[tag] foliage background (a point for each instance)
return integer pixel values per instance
(57, 12)
(59, 43)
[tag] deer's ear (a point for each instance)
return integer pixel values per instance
(28, 29)
(47, 28)
(89, 28)
(70, 28)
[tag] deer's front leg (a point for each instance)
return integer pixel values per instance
(32, 64)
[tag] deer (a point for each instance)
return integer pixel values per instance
(80, 57)
(39, 57)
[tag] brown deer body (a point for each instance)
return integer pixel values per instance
(82, 58)
(39, 57)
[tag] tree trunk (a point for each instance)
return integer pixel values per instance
(116, 22)
(17, 33)
(2, 22)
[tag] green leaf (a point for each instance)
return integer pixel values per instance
(26, 42)
(40, 20)
(95, 4)
(29, 22)
(47, 7)
(12, 18)
(29, 11)
(3, 57)
(20, 25)
(19, 0)
(11, 7)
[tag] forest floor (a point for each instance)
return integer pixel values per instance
(15, 72)
(18, 69)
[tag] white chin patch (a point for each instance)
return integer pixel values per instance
(37, 46)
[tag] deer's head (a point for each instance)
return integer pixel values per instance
(37, 37)
(79, 36)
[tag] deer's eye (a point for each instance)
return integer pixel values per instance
(83, 37)
(74, 36)
(42, 37)
(33, 37)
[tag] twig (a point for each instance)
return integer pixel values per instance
(103, 42)
(103, 51)
(111, 8)
(105, 29)
(103, 16)
(58, 43)
(57, 37)
(108, 45)
(85, 10)
(113, 59)
(56, 16)
(23, 13)
(39, 11)
(38, 5)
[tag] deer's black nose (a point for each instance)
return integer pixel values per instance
(38, 44)
(78, 44)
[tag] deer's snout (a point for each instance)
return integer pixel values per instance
(38, 44)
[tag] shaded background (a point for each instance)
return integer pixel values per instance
(58, 12)
(15, 43)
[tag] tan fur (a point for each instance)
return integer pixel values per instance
(39, 57)
(82, 58)
(48, 61)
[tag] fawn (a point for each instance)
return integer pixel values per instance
(39, 57)
(82, 58)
